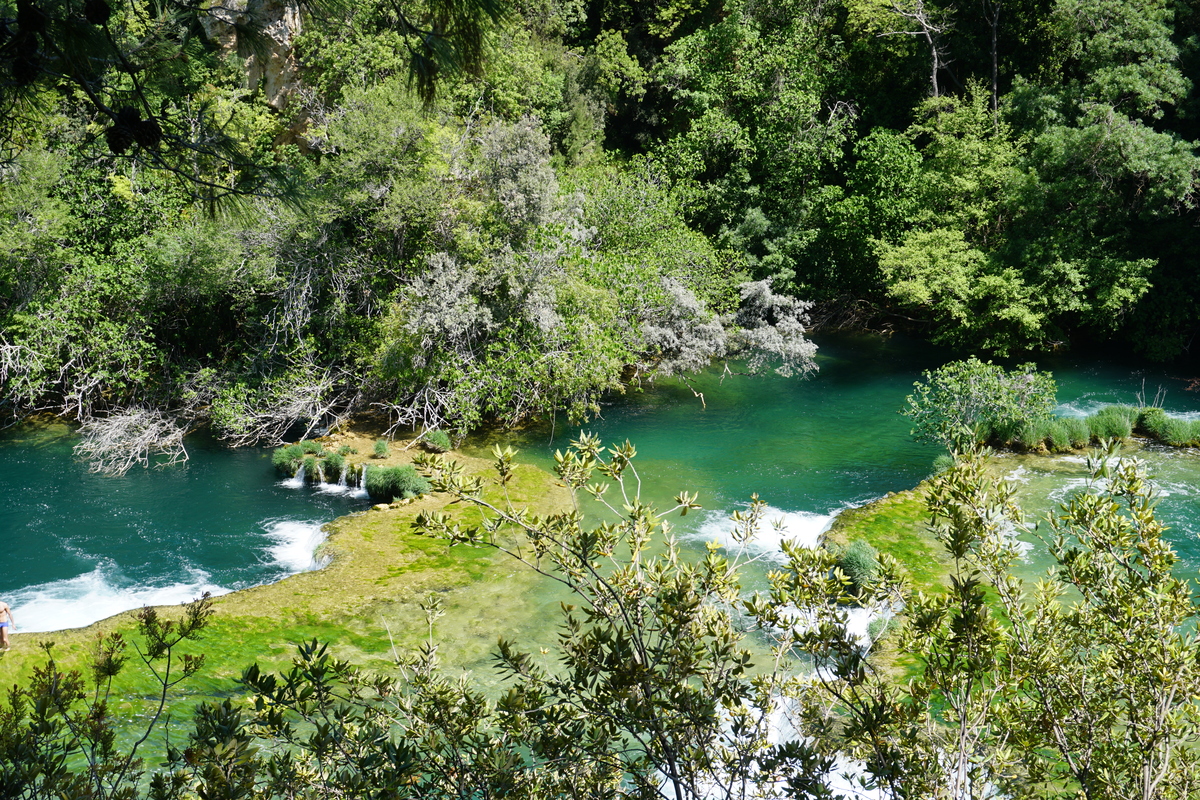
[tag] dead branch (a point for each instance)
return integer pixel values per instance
(112, 445)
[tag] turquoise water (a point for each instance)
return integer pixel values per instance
(82, 546)
(811, 448)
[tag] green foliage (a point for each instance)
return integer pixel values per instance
(332, 467)
(46, 751)
(287, 459)
(311, 467)
(1113, 422)
(437, 441)
(381, 448)
(1033, 434)
(1153, 421)
(1064, 434)
(859, 561)
(1173, 431)
(385, 484)
(968, 402)
(1078, 431)
(1178, 433)
(313, 447)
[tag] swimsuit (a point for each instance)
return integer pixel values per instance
(3, 624)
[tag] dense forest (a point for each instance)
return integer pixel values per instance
(263, 217)
(260, 215)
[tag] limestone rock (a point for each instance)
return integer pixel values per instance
(270, 64)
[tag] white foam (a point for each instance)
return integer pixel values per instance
(296, 481)
(1079, 408)
(296, 544)
(93, 596)
(804, 527)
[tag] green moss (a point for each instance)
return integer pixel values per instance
(897, 525)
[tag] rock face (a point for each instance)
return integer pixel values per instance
(270, 59)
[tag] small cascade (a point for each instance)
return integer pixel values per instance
(320, 478)
(296, 481)
(342, 478)
(360, 491)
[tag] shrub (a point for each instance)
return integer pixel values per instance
(1112, 422)
(860, 561)
(287, 459)
(310, 468)
(1033, 433)
(437, 441)
(309, 446)
(942, 463)
(1178, 432)
(334, 464)
(385, 484)
(345, 450)
(1153, 422)
(1078, 431)
(1058, 436)
(970, 401)
(381, 448)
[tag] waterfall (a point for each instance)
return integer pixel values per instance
(342, 478)
(296, 481)
(361, 490)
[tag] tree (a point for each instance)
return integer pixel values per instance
(130, 65)
(965, 403)
(58, 732)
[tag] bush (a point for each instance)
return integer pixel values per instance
(385, 484)
(966, 402)
(1078, 431)
(334, 464)
(942, 463)
(1112, 422)
(1058, 436)
(860, 562)
(1153, 423)
(1177, 432)
(1033, 433)
(310, 468)
(310, 446)
(345, 450)
(437, 441)
(287, 459)
(381, 448)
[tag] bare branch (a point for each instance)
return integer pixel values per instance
(112, 445)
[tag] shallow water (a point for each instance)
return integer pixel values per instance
(82, 547)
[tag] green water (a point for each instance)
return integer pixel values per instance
(81, 546)
(812, 447)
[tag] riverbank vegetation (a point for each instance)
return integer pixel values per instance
(651, 684)
(965, 404)
(264, 234)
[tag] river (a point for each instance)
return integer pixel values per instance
(83, 546)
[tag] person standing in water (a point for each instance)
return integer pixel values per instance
(6, 622)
